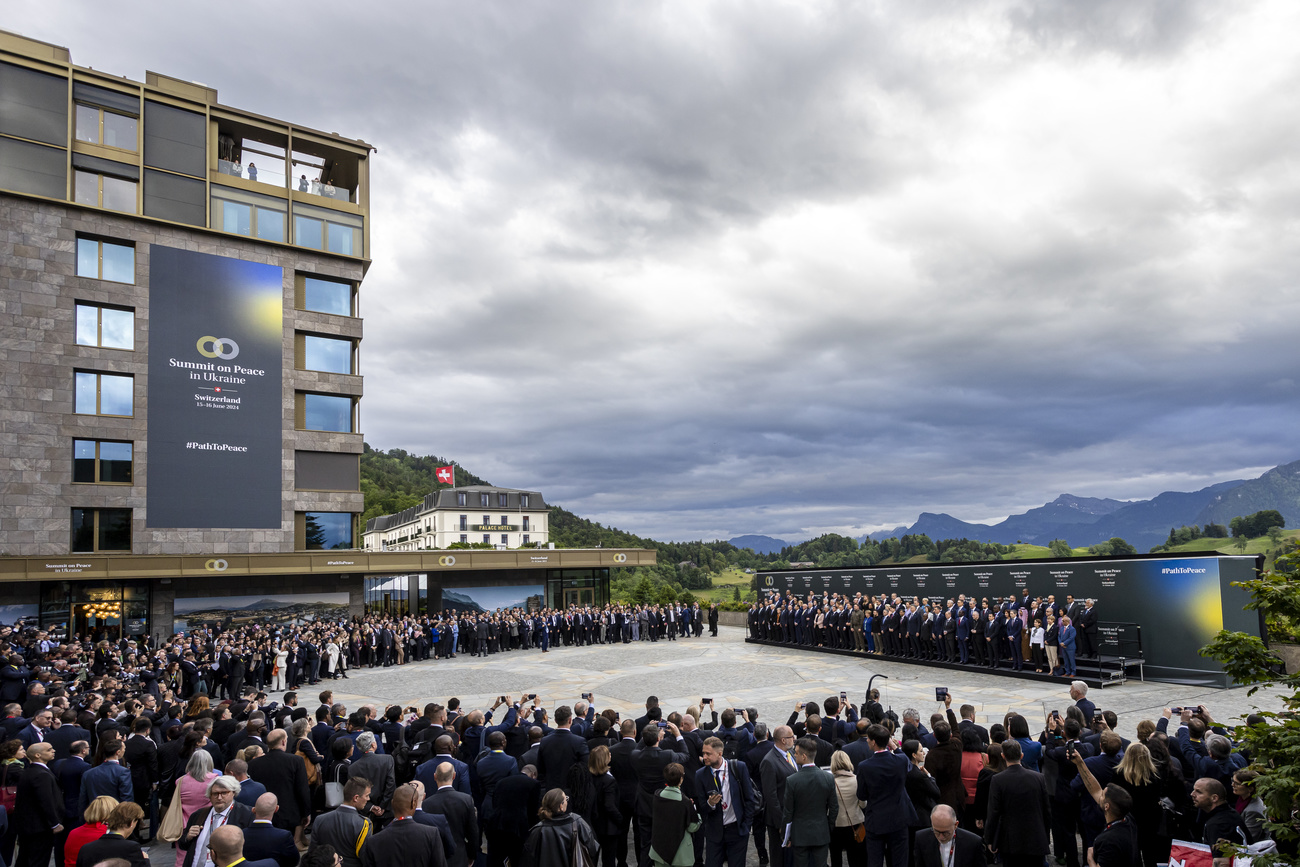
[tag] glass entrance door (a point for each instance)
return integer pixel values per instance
(580, 596)
(97, 620)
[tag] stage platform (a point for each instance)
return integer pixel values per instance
(1100, 672)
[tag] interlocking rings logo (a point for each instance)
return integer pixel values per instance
(222, 347)
(769, 580)
(448, 560)
(216, 565)
(620, 558)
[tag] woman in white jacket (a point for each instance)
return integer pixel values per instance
(278, 671)
(332, 658)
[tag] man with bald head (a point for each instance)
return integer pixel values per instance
(773, 770)
(226, 847)
(262, 840)
(404, 841)
(461, 816)
(943, 844)
(284, 776)
(38, 811)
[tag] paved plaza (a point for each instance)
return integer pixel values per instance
(736, 674)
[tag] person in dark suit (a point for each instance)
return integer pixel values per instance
(345, 828)
(560, 750)
(1079, 693)
(35, 732)
(379, 771)
(493, 767)
(404, 841)
(107, 778)
(620, 765)
(222, 811)
(63, 736)
(1019, 813)
(943, 763)
(810, 807)
(38, 808)
(773, 771)
(515, 802)
(116, 842)
(727, 804)
(442, 753)
(142, 758)
(459, 810)
(934, 846)
(649, 763)
(285, 776)
(227, 848)
(1015, 629)
(262, 840)
(882, 783)
(68, 774)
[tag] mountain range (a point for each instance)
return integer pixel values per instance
(1084, 521)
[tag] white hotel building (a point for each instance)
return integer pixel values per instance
(501, 517)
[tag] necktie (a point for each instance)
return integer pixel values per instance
(789, 758)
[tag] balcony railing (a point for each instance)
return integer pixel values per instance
(302, 184)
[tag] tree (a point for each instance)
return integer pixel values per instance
(315, 534)
(1241, 543)
(643, 591)
(735, 594)
(1274, 744)
(1060, 548)
(1275, 534)
(1118, 546)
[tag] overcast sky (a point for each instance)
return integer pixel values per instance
(699, 269)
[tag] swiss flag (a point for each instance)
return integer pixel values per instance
(445, 475)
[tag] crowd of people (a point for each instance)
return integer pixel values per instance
(1018, 633)
(93, 765)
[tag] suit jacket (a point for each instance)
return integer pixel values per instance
(405, 842)
(68, 774)
(240, 816)
(773, 771)
(620, 765)
(38, 806)
(110, 845)
(379, 771)
(514, 805)
(340, 828)
(263, 840)
(649, 763)
(492, 769)
(1019, 812)
(438, 822)
(944, 764)
(978, 729)
(285, 776)
(63, 737)
(461, 816)
(811, 805)
(249, 791)
(882, 783)
(142, 758)
(969, 852)
(424, 773)
(558, 752)
(741, 798)
(110, 779)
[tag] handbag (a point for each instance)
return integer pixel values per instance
(860, 829)
(313, 773)
(8, 793)
(334, 790)
(172, 825)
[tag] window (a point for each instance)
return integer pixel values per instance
(327, 354)
(105, 260)
(487, 538)
(460, 498)
(326, 296)
(503, 500)
(330, 412)
(106, 191)
(99, 126)
(328, 530)
(487, 519)
(109, 327)
(525, 540)
(483, 500)
(505, 539)
(322, 229)
(242, 213)
(101, 530)
(464, 522)
(505, 519)
(525, 527)
(103, 393)
(103, 462)
(464, 539)
(523, 502)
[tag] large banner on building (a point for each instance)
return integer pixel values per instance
(216, 337)
(1177, 604)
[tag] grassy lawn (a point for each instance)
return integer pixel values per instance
(724, 586)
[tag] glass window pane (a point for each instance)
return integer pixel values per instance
(270, 225)
(307, 232)
(328, 354)
(119, 195)
(340, 238)
(87, 258)
(115, 394)
(83, 460)
(119, 131)
(87, 326)
(236, 218)
(115, 462)
(87, 190)
(328, 412)
(329, 530)
(84, 401)
(83, 529)
(119, 263)
(327, 296)
(87, 123)
(117, 328)
(115, 529)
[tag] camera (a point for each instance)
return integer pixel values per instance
(706, 701)
(1096, 716)
(586, 696)
(844, 696)
(940, 693)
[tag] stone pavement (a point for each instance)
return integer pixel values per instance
(736, 674)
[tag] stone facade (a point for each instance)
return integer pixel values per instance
(39, 355)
